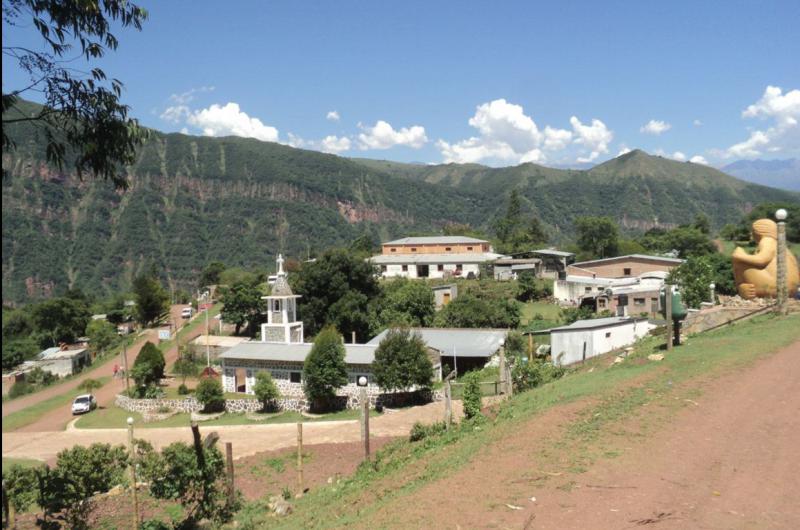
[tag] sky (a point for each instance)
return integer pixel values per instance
(496, 83)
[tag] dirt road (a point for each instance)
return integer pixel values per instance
(247, 439)
(730, 459)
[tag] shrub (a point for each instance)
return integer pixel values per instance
(324, 370)
(20, 389)
(22, 486)
(154, 524)
(421, 431)
(265, 389)
(472, 399)
(40, 377)
(183, 390)
(209, 393)
(401, 361)
(148, 368)
(528, 375)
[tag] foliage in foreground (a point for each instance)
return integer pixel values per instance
(473, 397)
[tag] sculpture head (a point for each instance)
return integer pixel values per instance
(765, 228)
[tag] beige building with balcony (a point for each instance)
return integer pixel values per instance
(434, 257)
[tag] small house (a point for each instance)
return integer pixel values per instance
(554, 262)
(585, 339)
(510, 268)
(61, 361)
(444, 294)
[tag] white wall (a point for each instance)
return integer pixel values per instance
(433, 272)
(597, 343)
(567, 291)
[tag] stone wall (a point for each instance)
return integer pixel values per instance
(700, 321)
(188, 405)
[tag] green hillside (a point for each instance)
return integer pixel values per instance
(241, 201)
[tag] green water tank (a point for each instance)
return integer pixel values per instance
(678, 309)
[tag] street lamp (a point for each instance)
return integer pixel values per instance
(781, 215)
(712, 286)
(361, 381)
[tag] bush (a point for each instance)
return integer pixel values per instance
(22, 487)
(20, 389)
(183, 390)
(40, 377)
(265, 389)
(324, 370)
(154, 524)
(421, 431)
(209, 393)
(528, 375)
(152, 356)
(401, 361)
(472, 399)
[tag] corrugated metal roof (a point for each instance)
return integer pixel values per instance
(218, 340)
(465, 342)
(629, 256)
(297, 352)
(596, 323)
(552, 252)
(433, 240)
(57, 353)
(386, 259)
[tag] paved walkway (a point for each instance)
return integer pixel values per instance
(246, 439)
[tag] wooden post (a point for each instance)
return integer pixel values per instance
(299, 458)
(125, 363)
(668, 312)
(231, 487)
(530, 347)
(133, 475)
(353, 337)
(501, 372)
(448, 399)
(509, 382)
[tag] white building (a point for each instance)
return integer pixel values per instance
(60, 361)
(434, 257)
(585, 339)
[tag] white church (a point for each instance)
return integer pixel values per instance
(282, 350)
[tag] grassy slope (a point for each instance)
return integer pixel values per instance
(377, 493)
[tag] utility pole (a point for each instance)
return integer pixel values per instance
(208, 350)
(133, 475)
(668, 310)
(125, 365)
(299, 458)
(781, 293)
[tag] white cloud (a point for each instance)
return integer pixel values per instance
(332, 115)
(697, 159)
(697, 123)
(655, 127)
(502, 121)
(335, 144)
(623, 149)
(383, 136)
(175, 114)
(184, 130)
(229, 119)
(186, 97)
(556, 139)
(594, 137)
(783, 134)
(680, 157)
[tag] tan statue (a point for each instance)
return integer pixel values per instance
(756, 275)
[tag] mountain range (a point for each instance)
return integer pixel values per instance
(193, 200)
(783, 174)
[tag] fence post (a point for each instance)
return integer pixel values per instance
(231, 487)
(300, 458)
(448, 400)
(668, 310)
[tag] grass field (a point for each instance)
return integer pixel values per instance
(24, 462)
(409, 466)
(26, 416)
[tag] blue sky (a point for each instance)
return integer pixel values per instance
(497, 83)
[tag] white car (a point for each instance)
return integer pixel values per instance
(186, 312)
(83, 404)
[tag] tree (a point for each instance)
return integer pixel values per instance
(148, 368)
(152, 301)
(265, 389)
(767, 210)
(82, 118)
(529, 288)
(211, 274)
(242, 304)
(184, 368)
(401, 361)
(406, 302)
(702, 223)
(597, 236)
(102, 335)
(59, 320)
(324, 370)
(472, 397)
(209, 393)
(693, 277)
(324, 283)
(469, 311)
(509, 224)
(90, 385)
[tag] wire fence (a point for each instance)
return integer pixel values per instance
(488, 388)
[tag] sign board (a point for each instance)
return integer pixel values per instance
(164, 334)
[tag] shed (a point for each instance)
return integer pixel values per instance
(584, 339)
(62, 362)
(444, 294)
(509, 268)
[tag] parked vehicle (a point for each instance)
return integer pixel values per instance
(84, 403)
(186, 312)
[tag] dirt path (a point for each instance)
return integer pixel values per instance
(732, 460)
(57, 418)
(247, 439)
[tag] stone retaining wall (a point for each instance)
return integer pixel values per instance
(348, 400)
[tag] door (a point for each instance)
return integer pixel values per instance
(445, 298)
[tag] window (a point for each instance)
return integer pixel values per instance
(447, 249)
(601, 303)
(608, 334)
(294, 377)
(383, 268)
(626, 271)
(469, 248)
(405, 268)
(587, 289)
(276, 305)
(638, 301)
(440, 267)
(392, 249)
(413, 249)
(459, 267)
